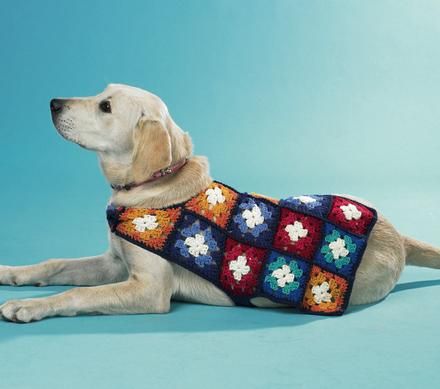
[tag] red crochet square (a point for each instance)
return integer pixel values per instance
(298, 234)
(351, 215)
(241, 267)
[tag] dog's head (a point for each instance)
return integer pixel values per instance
(126, 124)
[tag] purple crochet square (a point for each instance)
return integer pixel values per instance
(197, 246)
(316, 205)
(254, 221)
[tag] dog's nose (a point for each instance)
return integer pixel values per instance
(56, 106)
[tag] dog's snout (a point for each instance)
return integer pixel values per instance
(56, 106)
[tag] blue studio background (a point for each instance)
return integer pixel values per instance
(285, 97)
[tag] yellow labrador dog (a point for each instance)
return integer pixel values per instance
(134, 136)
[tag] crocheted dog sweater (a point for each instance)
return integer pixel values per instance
(300, 251)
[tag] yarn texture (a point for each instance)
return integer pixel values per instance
(301, 251)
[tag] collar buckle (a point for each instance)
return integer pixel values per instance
(166, 171)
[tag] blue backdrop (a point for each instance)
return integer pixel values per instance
(284, 97)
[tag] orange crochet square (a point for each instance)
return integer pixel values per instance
(215, 206)
(154, 238)
(329, 295)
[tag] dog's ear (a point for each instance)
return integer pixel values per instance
(152, 149)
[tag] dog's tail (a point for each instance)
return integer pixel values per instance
(421, 254)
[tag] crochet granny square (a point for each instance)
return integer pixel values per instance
(340, 252)
(350, 215)
(326, 293)
(317, 205)
(241, 268)
(254, 221)
(298, 234)
(197, 246)
(215, 203)
(285, 278)
(149, 227)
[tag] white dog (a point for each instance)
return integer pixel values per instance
(135, 137)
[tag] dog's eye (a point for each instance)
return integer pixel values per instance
(105, 106)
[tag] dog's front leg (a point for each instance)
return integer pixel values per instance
(127, 297)
(88, 271)
(147, 290)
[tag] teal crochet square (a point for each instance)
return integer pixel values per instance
(284, 278)
(340, 252)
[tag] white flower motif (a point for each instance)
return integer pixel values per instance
(283, 275)
(239, 267)
(253, 217)
(338, 248)
(146, 222)
(296, 231)
(305, 199)
(215, 196)
(196, 245)
(351, 212)
(321, 293)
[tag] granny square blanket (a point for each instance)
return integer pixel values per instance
(300, 251)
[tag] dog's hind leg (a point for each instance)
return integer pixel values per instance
(381, 266)
(87, 271)
(386, 255)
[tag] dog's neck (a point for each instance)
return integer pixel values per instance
(163, 192)
(157, 175)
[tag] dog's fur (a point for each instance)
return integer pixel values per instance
(136, 139)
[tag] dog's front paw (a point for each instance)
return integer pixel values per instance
(23, 311)
(17, 276)
(6, 276)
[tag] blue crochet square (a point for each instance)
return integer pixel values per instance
(285, 278)
(197, 246)
(340, 252)
(317, 205)
(254, 221)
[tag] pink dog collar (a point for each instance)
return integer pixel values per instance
(156, 175)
